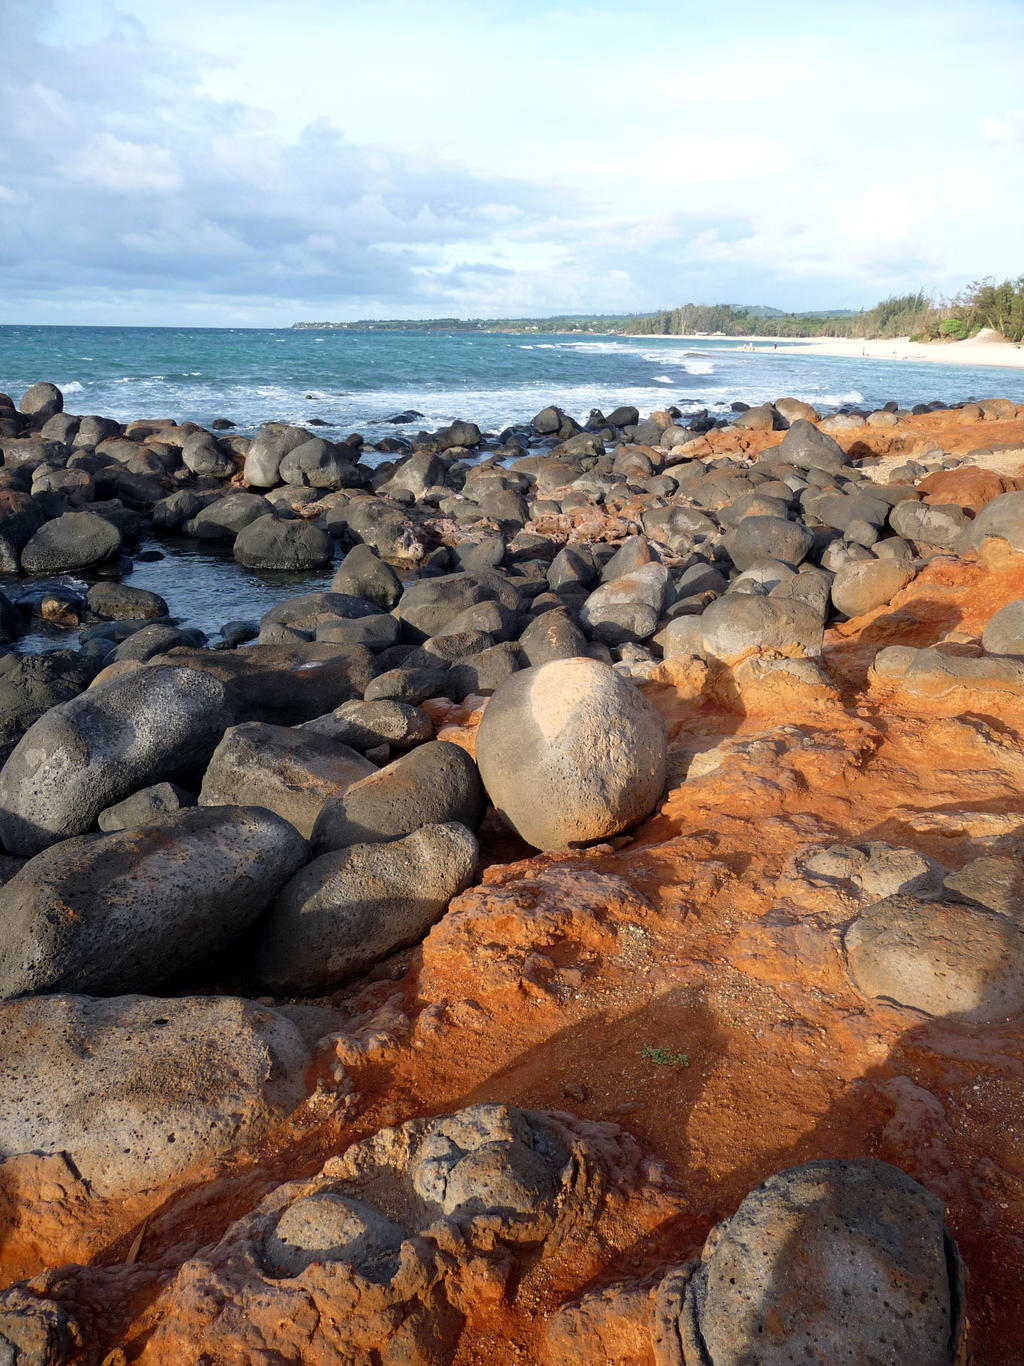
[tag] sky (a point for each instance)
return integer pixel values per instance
(284, 160)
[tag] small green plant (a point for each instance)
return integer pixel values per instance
(953, 327)
(663, 1057)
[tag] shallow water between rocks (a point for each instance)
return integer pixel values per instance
(201, 586)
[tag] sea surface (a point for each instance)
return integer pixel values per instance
(353, 381)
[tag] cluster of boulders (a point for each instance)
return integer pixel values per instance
(276, 811)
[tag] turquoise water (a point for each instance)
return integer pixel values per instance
(353, 380)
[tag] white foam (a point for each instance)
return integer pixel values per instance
(699, 367)
(72, 387)
(663, 379)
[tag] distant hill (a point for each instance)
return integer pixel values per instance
(581, 322)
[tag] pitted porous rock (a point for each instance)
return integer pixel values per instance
(95, 749)
(431, 785)
(129, 910)
(570, 751)
(381, 1256)
(838, 1261)
(137, 1089)
(941, 959)
(352, 907)
(364, 725)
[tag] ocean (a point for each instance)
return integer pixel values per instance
(353, 381)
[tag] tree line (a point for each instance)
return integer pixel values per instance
(984, 303)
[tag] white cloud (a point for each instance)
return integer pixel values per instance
(133, 167)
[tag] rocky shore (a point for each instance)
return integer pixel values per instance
(591, 931)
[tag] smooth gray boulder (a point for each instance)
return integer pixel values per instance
(941, 525)
(319, 464)
(1004, 630)
(130, 910)
(553, 635)
(758, 538)
(832, 1261)
(571, 752)
(433, 784)
(291, 772)
(203, 454)
(947, 960)
(272, 542)
(41, 401)
(76, 540)
(85, 754)
(738, 622)
(1002, 517)
(136, 1090)
(224, 517)
(364, 725)
(628, 606)
(428, 605)
(267, 449)
(352, 907)
(862, 585)
(362, 574)
(808, 448)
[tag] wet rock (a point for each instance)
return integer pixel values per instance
(136, 1090)
(145, 806)
(76, 540)
(121, 602)
(226, 516)
(271, 542)
(320, 464)
(130, 910)
(85, 754)
(938, 958)
(291, 772)
(831, 1261)
(350, 908)
(570, 752)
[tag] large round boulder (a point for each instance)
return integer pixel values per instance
(282, 543)
(77, 540)
(832, 1261)
(941, 959)
(570, 751)
(127, 911)
(136, 1090)
(352, 907)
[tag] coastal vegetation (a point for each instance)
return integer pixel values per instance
(983, 304)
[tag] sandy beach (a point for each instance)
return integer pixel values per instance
(972, 352)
